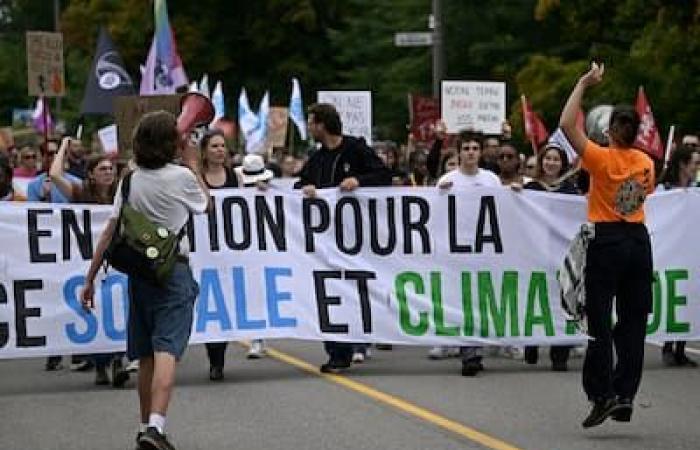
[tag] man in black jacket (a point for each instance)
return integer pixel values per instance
(345, 162)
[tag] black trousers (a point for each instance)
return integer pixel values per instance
(216, 351)
(618, 266)
(339, 351)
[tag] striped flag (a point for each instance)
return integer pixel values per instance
(164, 72)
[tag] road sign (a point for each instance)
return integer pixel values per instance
(417, 39)
(45, 74)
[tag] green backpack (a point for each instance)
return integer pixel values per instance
(140, 248)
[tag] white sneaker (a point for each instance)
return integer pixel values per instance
(517, 353)
(133, 366)
(439, 352)
(578, 351)
(358, 357)
(257, 349)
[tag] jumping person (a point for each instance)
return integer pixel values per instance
(618, 259)
(160, 317)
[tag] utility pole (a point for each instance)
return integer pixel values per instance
(438, 58)
(57, 28)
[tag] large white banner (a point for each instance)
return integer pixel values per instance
(413, 266)
(474, 105)
(355, 109)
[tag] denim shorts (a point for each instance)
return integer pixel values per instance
(160, 317)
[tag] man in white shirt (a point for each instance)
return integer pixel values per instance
(468, 174)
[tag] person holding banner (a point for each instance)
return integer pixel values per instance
(160, 317)
(468, 175)
(7, 192)
(98, 187)
(680, 173)
(551, 169)
(344, 162)
(618, 259)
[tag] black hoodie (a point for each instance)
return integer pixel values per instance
(353, 158)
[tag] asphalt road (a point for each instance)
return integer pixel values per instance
(396, 400)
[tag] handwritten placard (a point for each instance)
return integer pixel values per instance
(355, 109)
(474, 105)
(45, 74)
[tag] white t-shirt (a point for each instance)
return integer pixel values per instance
(482, 177)
(166, 196)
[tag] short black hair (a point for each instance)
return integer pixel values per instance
(155, 139)
(326, 114)
(624, 125)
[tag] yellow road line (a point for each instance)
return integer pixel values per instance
(398, 403)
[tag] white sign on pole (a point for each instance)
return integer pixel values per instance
(417, 39)
(108, 139)
(475, 105)
(355, 109)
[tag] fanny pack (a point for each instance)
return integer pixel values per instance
(140, 248)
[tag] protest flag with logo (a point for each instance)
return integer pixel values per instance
(535, 130)
(108, 78)
(296, 109)
(648, 137)
(164, 72)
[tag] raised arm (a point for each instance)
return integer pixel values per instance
(56, 171)
(567, 121)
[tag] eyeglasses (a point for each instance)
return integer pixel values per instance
(28, 156)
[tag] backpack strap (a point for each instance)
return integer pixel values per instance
(126, 187)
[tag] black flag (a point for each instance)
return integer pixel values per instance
(107, 78)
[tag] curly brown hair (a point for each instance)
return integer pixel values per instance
(155, 140)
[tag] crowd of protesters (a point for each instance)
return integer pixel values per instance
(62, 171)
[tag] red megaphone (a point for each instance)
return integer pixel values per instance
(195, 110)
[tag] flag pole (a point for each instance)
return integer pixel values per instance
(45, 120)
(669, 144)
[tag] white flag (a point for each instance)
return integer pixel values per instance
(255, 140)
(296, 109)
(247, 119)
(217, 98)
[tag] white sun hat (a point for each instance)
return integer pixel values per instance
(253, 170)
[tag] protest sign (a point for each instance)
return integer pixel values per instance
(475, 105)
(45, 77)
(398, 265)
(129, 109)
(108, 139)
(355, 109)
(277, 125)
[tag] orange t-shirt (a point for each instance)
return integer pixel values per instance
(621, 178)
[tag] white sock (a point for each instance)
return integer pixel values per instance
(142, 427)
(157, 421)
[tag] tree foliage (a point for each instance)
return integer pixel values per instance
(538, 47)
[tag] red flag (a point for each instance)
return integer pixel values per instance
(534, 127)
(648, 137)
(425, 111)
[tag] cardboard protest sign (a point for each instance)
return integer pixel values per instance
(128, 110)
(474, 105)
(45, 73)
(355, 109)
(277, 123)
(108, 139)
(425, 112)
